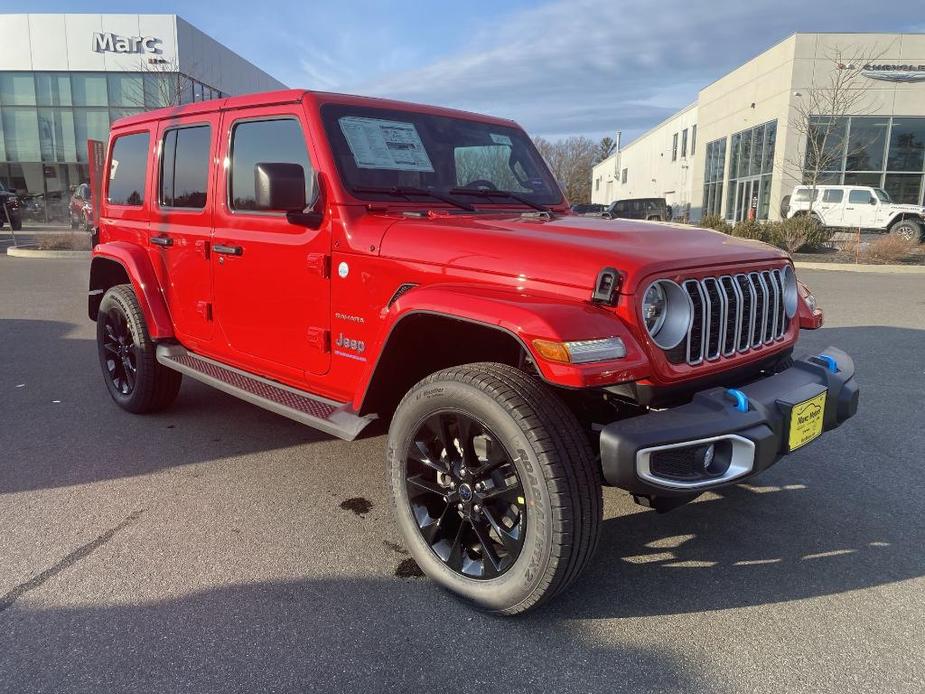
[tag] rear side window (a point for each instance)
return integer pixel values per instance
(860, 197)
(805, 195)
(256, 142)
(127, 170)
(833, 195)
(185, 167)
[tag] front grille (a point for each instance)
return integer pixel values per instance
(732, 314)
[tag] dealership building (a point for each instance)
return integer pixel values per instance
(741, 146)
(65, 77)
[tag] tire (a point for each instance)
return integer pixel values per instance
(909, 229)
(558, 503)
(133, 376)
(16, 223)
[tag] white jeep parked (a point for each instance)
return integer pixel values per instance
(857, 207)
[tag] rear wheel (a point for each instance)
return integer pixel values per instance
(496, 491)
(909, 229)
(133, 376)
(16, 223)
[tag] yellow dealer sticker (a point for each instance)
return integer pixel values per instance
(806, 421)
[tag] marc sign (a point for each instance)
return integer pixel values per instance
(894, 73)
(113, 43)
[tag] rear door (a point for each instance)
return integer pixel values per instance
(831, 207)
(861, 209)
(181, 225)
(272, 290)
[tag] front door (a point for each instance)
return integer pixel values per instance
(861, 210)
(181, 224)
(272, 292)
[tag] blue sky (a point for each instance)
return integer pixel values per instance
(559, 67)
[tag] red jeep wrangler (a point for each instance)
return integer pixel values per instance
(335, 259)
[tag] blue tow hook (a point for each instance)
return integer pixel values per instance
(740, 398)
(829, 362)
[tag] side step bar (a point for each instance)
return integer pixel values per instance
(329, 416)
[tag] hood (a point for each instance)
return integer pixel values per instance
(568, 250)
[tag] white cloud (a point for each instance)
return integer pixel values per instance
(582, 66)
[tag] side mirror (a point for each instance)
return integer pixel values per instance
(873, 201)
(282, 187)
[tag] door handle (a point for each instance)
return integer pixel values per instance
(227, 250)
(162, 240)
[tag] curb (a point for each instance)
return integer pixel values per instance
(861, 267)
(20, 252)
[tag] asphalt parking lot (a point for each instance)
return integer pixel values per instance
(218, 547)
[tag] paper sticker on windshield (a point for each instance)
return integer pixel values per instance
(501, 139)
(385, 144)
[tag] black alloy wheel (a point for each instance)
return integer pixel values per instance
(465, 495)
(121, 351)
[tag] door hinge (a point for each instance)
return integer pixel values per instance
(320, 263)
(205, 308)
(202, 247)
(320, 339)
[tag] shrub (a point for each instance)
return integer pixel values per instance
(715, 222)
(889, 249)
(798, 232)
(751, 229)
(70, 241)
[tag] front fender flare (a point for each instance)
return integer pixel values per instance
(140, 272)
(525, 318)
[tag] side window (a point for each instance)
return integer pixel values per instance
(127, 170)
(619, 207)
(859, 197)
(184, 172)
(833, 195)
(277, 141)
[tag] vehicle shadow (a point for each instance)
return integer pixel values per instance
(59, 426)
(321, 635)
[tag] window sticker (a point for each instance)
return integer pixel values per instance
(385, 144)
(501, 139)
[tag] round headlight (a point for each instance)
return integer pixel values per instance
(666, 310)
(791, 294)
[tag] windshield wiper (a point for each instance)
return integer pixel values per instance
(409, 191)
(488, 193)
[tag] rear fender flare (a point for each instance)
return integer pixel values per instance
(137, 266)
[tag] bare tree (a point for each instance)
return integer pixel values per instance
(571, 160)
(820, 117)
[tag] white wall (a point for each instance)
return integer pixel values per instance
(649, 166)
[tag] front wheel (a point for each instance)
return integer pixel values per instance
(908, 229)
(496, 491)
(16, 223)
(133, 376)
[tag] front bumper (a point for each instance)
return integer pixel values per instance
(754, 439)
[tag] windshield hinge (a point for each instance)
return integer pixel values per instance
(545, 216)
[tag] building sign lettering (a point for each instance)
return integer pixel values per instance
(113, 43)
(894, 73)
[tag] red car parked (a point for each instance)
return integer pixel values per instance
(81, 208)
(336, 259)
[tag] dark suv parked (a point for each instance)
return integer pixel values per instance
(653, 209)
(9, 201)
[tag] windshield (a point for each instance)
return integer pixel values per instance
(382, 151)
(883, 195)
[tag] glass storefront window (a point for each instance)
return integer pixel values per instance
(907, 145)
(21, 134)
(17, 89)
(853, 178)
(827, 136)
(89, 89)
(904, 188)
(90, 124)
(866, 142)
(53, 89)
(126, 90)
(56, 135)
(160, 90)
(770, 140)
